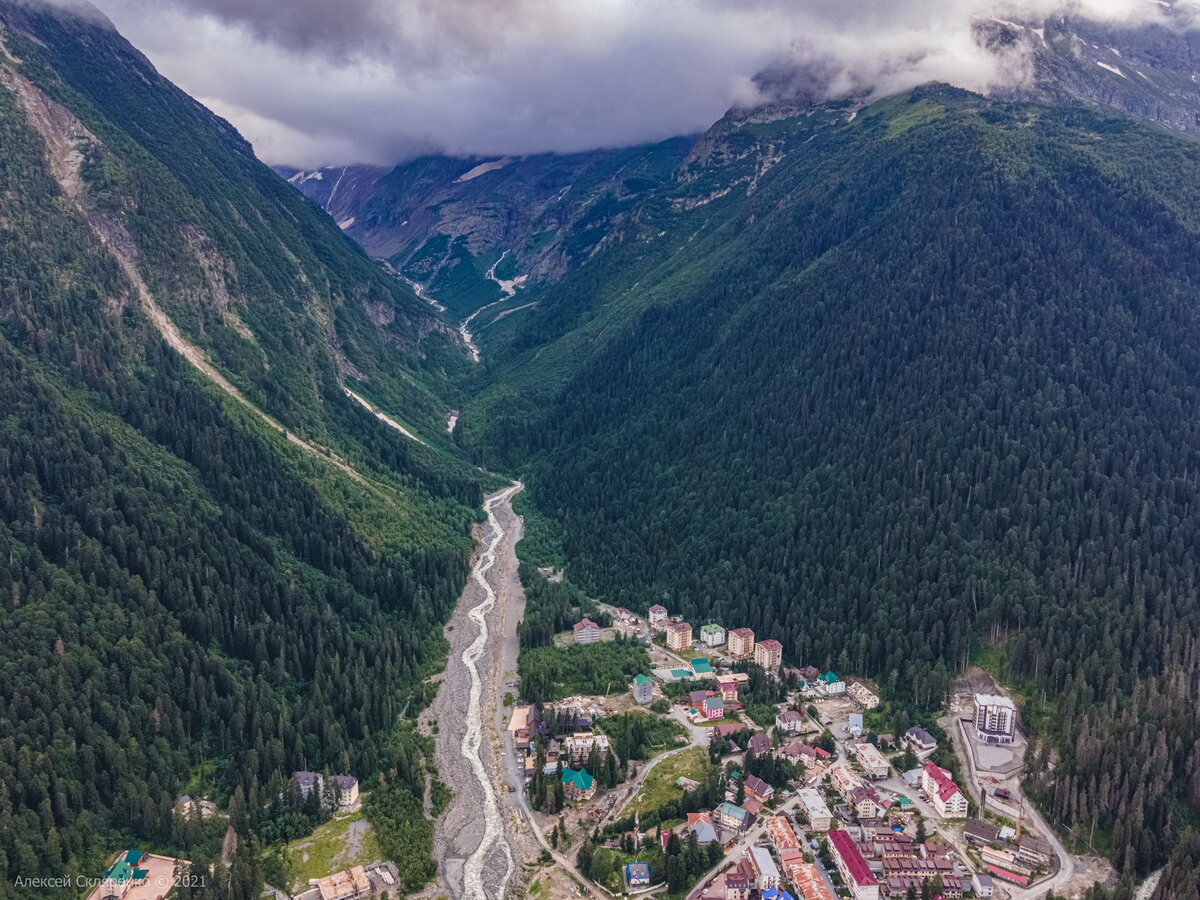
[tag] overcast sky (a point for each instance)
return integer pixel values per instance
(313, 82)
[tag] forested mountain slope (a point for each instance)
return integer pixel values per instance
(187, 593)
(444, 222)
(892, 386)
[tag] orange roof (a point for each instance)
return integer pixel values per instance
(808, 881)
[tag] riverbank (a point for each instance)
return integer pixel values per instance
(478, 854)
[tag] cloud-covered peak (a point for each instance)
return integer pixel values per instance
(311, 82)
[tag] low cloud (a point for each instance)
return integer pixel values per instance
(313, 82)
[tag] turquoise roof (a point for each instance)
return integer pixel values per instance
(133, 857)
(731, 809)
(641, 679)
(578, 777)
(681, 673)
(701, 666)
(714, 703)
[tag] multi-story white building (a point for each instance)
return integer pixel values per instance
(712, 635)
(995, 719)
(856, 873)
(763, 868)
(578, 747)
(943, 793)
(819, 816)
(586, 631)
(873, 762)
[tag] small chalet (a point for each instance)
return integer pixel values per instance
(758, 789)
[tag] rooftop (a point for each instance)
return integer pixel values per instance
(733, 810)
(852, 858)
(760, 858)
(995, 700)
(946, 787)
(921, 736)
(578, 777)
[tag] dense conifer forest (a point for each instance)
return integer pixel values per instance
(909, 390)
(926, 387)
(189, 602)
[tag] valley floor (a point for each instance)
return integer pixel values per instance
(478, 840)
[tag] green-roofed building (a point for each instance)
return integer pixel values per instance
(578, 785)
(681, 674)
(712, 635)
(123, 875)
(643, 688)
(828, 678)
(701, 666)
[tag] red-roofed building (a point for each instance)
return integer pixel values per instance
(943, 793)
(782, 834)
(1008, 876)
(740, 643)
(726, 729)
(658, 615)
(679, 636)
(729, 691)
(808, 881)
(587, 632)
(855, 872)
(768, 654)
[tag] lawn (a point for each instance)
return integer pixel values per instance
(334, 846)
(660, 784)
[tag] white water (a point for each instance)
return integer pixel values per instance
(508, 287)
(492, 819)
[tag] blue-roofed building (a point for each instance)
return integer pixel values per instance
(637, 874)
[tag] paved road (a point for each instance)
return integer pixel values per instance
(1066, 862)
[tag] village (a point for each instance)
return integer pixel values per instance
(746, 780)
(811, 803)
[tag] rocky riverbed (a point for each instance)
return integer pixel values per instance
(478, 853)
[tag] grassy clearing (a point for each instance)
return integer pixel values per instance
(331, 848)
(660, 784)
